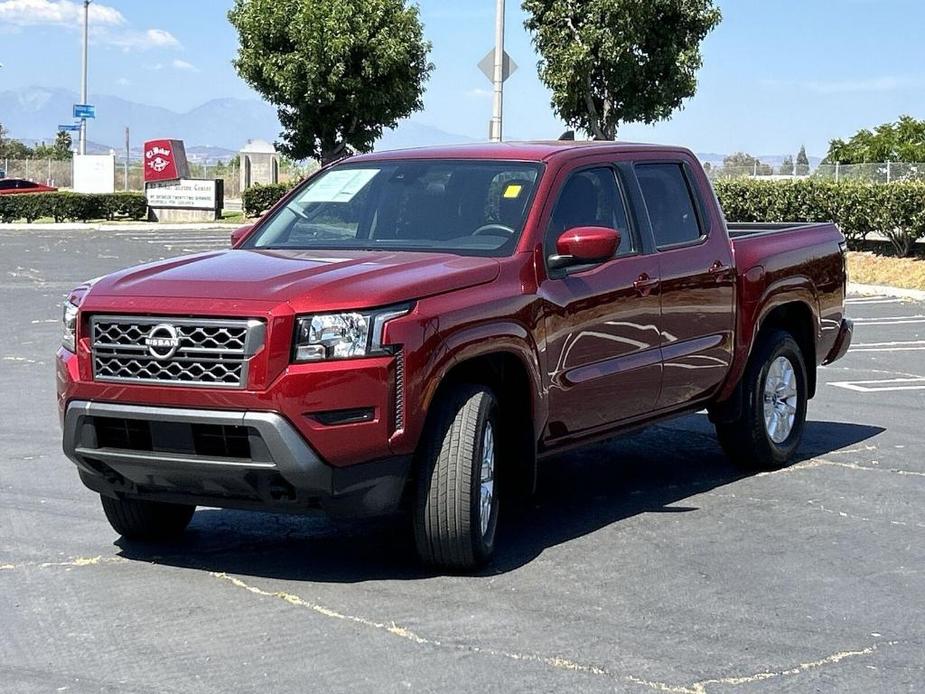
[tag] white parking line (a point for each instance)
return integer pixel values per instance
(889, 320)
(910, 346)
(860, 301)
(882, 385)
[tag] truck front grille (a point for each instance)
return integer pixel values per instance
(174, 351)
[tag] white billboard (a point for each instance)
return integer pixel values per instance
(94, 173)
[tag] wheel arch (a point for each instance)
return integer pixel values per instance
(791, 312)
(798, 319)
(513, 376)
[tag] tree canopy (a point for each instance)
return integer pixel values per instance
(802, 166)
(744, 163)
(902, 141)
(609, 62)
(338, 72)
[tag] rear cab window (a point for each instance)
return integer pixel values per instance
(670, 203)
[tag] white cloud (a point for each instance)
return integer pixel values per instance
(139, 40)
(176, 64)
(107, 24)
(479, 93)
(183, 65)
(124, 82)
(62, 12)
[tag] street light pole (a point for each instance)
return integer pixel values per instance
(83, 80)
(497, 115)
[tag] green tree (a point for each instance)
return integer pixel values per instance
(786, 167)
(802, 167)
(609, 62)
(62, 146)
(60, 150)
(338, 72)
(744, 164)
(902, 141)
(14, 149)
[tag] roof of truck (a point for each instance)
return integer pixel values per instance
(520, 151)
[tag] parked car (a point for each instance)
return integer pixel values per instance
(410, 332)
(17, 186)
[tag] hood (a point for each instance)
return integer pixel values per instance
(328, 280)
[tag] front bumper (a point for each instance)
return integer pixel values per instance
(225, 458)
(842, 341)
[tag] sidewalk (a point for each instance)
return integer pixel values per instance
(856, 289)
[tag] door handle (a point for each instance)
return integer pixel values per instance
(645, 284)
(718, 270)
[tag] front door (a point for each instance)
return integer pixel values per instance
(602, 323)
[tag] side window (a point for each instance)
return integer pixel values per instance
(671, 207)
(592, 198)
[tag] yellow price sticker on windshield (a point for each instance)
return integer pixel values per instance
(513, 191)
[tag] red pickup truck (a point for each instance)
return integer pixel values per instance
(410, 332)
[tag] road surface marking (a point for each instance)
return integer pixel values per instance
(882, 385)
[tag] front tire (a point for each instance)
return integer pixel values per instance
(774, 397)
(456, 504)
(135, 519)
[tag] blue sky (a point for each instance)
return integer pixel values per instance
(776, 74)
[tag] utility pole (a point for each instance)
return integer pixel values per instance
(125, 165)
(497, 116)
(83, 81)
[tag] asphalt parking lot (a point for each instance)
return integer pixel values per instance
(647, 564)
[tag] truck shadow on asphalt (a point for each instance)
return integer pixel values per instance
(579, 493)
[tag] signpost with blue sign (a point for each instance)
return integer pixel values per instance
(72, 127)
(84, 111)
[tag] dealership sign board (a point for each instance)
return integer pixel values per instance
(187, 194)
(165, 160)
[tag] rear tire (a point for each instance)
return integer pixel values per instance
(774, 396)
(135, 519)
(456, 504)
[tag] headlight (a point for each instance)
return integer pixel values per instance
(342, 335)
(68, 339)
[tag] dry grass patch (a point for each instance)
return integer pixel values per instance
(868, 268)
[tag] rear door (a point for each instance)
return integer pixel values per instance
(602, 323)
(697, 281)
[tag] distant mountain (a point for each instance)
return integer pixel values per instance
(214, 131)
(411, 133)
(35, 112)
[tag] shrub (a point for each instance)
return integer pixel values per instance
(259, 198)
(897, 210)
(77, 207)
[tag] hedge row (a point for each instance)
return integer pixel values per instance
(896, 210)
(74, 207)
(259, 198)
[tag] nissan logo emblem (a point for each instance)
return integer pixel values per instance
(162, 342)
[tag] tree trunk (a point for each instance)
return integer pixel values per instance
(331, 151)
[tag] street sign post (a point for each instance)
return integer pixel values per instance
(497, 67)
(84, 111)
(71, 127)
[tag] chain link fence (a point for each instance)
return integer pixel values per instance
(884, 172)
(58, 173)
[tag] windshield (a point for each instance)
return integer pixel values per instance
(465, 207)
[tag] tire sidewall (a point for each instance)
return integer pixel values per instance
(484, 544)
(782, 346)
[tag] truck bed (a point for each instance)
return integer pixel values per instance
(747, 229)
